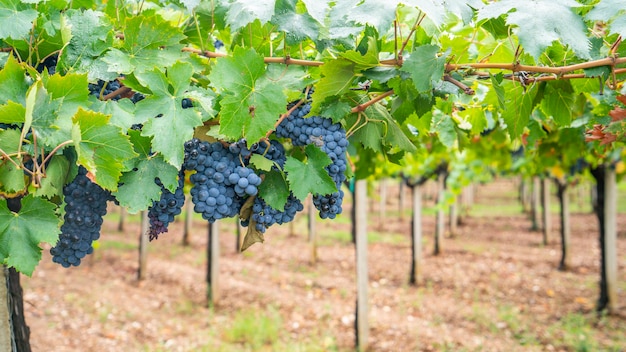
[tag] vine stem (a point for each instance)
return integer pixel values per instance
(558, 70)
(362, 107)
(467, 90)
(268, 60)
(121, 91)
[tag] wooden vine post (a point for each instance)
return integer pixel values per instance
(565, 226)
(610, 237)
(120, 225)
(440, 221)
(454, 218)
(534, 206)
(362, 309)
(415, 277)
(382, 208)
(312, 215)
(547, 219)
(213, 255)
(188, 220)
(143, 246)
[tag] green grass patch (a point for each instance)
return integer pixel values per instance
(255, 329)
(574, 332)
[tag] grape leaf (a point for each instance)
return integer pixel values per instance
(558, 101)
(309, 176)
(138, 189)
(12, 113)
(22, 232)
(444, 126)
(252, 236)
(426, 67)
(377, 13)
(317, 9)
(90, 38)
(519, 105)
(297, 26)
(165, 119)
(274, 190)
(242, 12)
(251, 103)
(102, 148)
(261, 162)
(16, 19)
(56, 174)
(149, 42)
(11, 177)
(611, 11)
(539, 23)
(337, 76)
(13, 83)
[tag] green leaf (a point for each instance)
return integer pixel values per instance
(337, 77)
(56, 173)
(165, 119)
(261, 163)
(91, 36)
(102, 148)
(309, 176)
(11, 177)
(22, 232)
(251, 104)
(611, 11)
(519, 105)
(138, 189)
(394, 135)
(12, 113)
(363, 62)
(274, 190)
(540, 23)
(242, 12)
(297, 26)
(445, 128)
(496, 83)
(16, 19)
(13, 82)
(149, 42)
(426, 67)
(558, 101)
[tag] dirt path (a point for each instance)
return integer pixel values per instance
(495, 288)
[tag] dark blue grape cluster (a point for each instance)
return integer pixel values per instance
(85, 205)
(265, 216)
(331, 139)
(163, 211)
(221, 183)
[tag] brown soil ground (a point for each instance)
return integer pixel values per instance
(495, 287)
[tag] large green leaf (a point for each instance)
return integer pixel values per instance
(297, 26)
(102, 148)
(162, 113)
(16, 19)
(612, 11)
(539, 23)
(309, 176)
(13, 82)
(11, 177)
(426, 67)
(251, 104)
(22, 232)
(558, 101)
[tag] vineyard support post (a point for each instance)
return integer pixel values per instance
(610, 237)
(401, 197)
(312, 232)
(362, 310)
(188, 220)
(120, 225)
(143, 246)
(416, 237)
(547, 219)
(213, 254)
(454, 217)
(382, 208)
(440, 226)
(565, 226)
(535, 200)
